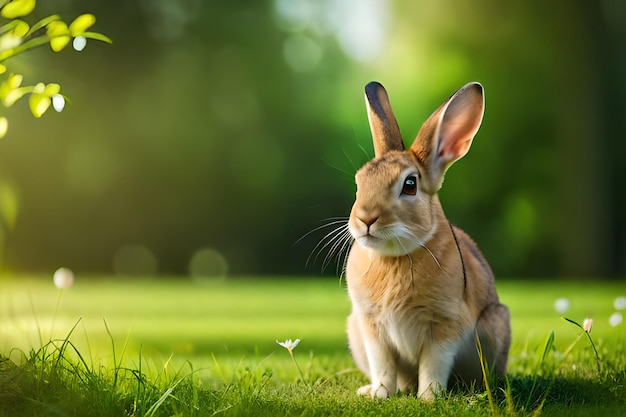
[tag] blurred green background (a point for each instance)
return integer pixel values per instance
(213, 135)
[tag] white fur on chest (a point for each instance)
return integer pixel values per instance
(407, 333)
(407, 328)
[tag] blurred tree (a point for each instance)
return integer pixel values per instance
(541, 198)
(233, 128)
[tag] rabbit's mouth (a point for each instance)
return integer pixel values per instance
(391, 240)
(387, 246)
(371, 242)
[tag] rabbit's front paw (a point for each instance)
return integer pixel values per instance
(378, 391)
(428, 395)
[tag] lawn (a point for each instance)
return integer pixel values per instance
(182, 347)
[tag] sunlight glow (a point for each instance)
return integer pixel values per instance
(359, 26)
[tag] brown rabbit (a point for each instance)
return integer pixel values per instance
(420, 288)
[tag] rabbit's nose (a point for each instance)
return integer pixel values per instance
(367, 216)
(368, 220)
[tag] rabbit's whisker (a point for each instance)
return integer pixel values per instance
(409, 235)
(338, 243)
(327, 240)
(347, 245)
(422, 228)
(336, 220)
(396, 235)
(433, 255)
(345, 250)
(411, 269)
(408, 254)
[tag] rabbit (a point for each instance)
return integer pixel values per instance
(421, 290)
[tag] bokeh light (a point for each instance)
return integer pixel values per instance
(208, 264)
(63, 278)
(135, 260)
(562, 305)
(301, 53)
(616, 319)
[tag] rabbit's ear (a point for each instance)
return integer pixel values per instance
(383, 124)
(447, 134)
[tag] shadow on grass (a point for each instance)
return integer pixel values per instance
(555, 395)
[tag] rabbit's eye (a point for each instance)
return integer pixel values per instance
(410, 185)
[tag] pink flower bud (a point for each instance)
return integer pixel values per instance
(587, 325)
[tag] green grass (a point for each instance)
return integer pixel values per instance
(176, 347)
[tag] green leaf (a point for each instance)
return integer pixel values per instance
(21, 28)
(548, 347)
(573, 322)
(38, 104)
(57, 28)
(39, 88)
(97, 36)
(7, 27)
(81, 24)
(14, 95)
(30, 44)
(44, 22)
(59, 35)
(17, 8)
(10, 90)
(3, 69)
(10, 26)
(15, 80)
(51, 89)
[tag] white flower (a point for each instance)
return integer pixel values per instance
(289, 345)
(63, 278)
(587, 324)
(79, 43)
(561, 305)
(58, 102)
(616, 319)
(620, 303)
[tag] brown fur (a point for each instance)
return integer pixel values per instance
(420, 291)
